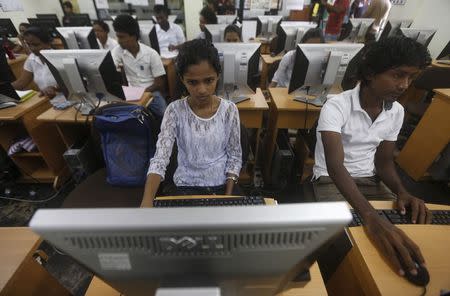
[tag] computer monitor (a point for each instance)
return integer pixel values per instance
(268, 24)
(253, 13)
(240, 62)
(49, 16)
(111, 33)
(423, 36)
(290, 34)
(359, 28)
(46, 24)
(78, 37)
(241, 250)
(7, 28)
(392, 27)
(78, 20)
(149, 36)
(214, 32)
(318, 67)
(445, 53)
(85, 76)
(226, 19)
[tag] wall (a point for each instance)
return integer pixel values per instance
(427, 14)
(191, 14)
(87, 6)
(31, 7)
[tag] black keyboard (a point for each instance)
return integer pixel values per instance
(439, 217)
(209, 202)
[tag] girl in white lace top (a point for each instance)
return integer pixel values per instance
(206, 129)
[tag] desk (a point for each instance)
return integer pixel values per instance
(20, 274)
(284, 112)
(364, 271)
(171, 75)
(267, 62)
(429, 138)
(434, 63)
(47, 164)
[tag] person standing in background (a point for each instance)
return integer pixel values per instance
(68, 11)
(379, 10)
(336, 16)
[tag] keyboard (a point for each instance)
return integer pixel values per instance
(209, 202)
(439, 217)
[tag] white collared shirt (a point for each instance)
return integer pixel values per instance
(41, 73)
(173, 36)
(284, 72)
(142, 70)
(109, 45)
(360, 136)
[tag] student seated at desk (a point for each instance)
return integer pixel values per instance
(207, 17)
(34, 68)
(170, 35)
(232, 34)
(141, 63)
(283, 74)
(206, 129)
(356, 137)
(22, 46)
(101, 30)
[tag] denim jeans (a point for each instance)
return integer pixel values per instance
(158, 105)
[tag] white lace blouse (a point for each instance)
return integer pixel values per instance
(208, 149)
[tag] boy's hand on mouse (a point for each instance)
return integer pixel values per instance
(393, 244)
(419, 212)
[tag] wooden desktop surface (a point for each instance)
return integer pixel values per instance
(375, 277)
(251, 111)
(16, 112)
(267, 62)
(68, 115)
(435, 63)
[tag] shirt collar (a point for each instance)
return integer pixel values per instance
(139, 54)
(159, 29)
(356, 104)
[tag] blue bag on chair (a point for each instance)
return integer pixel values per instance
(128, 135)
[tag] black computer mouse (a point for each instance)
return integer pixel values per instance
(421, 279)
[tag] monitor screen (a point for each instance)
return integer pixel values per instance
(50, 16)
(136, 250)
(423, 36)
(359, 28)
(7, 28)
(87, 70)
(240, 62)
(290, 34)
(215, 32)
(78, 37)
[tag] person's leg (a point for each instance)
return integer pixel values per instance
(158, 105)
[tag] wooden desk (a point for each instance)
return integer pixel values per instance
(267, 62)
(20, 274)
(265, 44)
(284, 112)
(434, 63)
(171, 75)
(47, 164)
(429, 138)
(364, 271)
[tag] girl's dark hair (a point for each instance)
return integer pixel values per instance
(232, 28)
(26, 25)
(40, 33)
(102, 25)
(313, 33)
(126, 24)
(194, 52)
(209, 15)
(157, 9)
(68, 4)
(390, 53)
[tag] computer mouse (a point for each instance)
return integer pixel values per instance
(421, 279)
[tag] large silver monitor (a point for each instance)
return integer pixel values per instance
(267, 24)
(215, 32)
(145, 29)
(78, 37)
(240, 62)
(392, 27)
(423, 36)
(226, 19)
(233, 248)
(290, 34)
(85, 76)
(359, 28)
(318, 67)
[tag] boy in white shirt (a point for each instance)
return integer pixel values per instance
(142, 65)
(101, 30)
(356, 137)
(170, 35)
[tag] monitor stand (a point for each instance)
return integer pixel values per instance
(84, 102)
(319, 96)
(236, 94)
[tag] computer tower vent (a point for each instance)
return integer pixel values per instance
(273, 239)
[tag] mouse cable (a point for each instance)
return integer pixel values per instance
(424, 291)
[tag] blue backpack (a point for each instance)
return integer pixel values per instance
(128, 136)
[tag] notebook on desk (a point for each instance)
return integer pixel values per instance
(8, 96)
